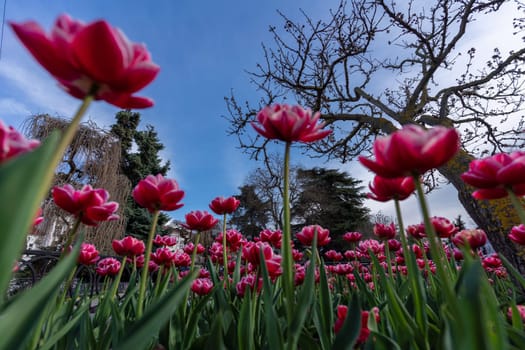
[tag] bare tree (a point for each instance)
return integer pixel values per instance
(376, 65)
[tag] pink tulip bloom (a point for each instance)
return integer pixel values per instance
(90, 205)
(93, 58)
(394, 245)
(517, 234)
(444, 227)
(163, 256)
(190, 247)
(273, 237)
(234, 240)
(495, 174)
(412, 151)
(289, 124)
(474, 237)
(342, 311)
(248, 283)
(221, 205)
(417, 231)
(108, 267)
(199, 220)
(251, 251)
(88, 254)
(38, 217)
(521, 312)
(181, 259)
(352, 237)
(385, 232)
(384, 189)
(165, 241)
(202, 286)
(13, 143)
(158, 193)
(306, 236)
(333, 255)
(297, 255)
(128, 246)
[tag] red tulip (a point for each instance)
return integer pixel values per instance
(234, 240)
(247, 283)
(128, 246)
(251, 251)
(417, 231)
(333, 255)
(13, 143)
(221, 205)
(385, 232)
(108, 267)
(384, 189)
(158, 193)
(289, 124)
(200, 221)
(202, 286)
(181, 259)
(495, 174)
(190, 247)
(90, 205)
(88, 254)
(306, 236)
(517, 234)
(475, 238)
(412, 150)
(93, 58)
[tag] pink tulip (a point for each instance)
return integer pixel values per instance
(333, 255)
(221, 205)
(384, 189)
(90, 205)
(521, 312)
(273, 237)
(190, 247)
(517, 234)
(93, 58)
(108, 267)
(342, 311)
(417, 231)
(247, 283)
(251, 251)
(306, 236)
(163, 257)
(289, 124)
(200, 221)
(234, 240)
(202, 286)
(128, 246)
(165, 241)
(158, 193)
(474, 237)
(444, 227)
(13, 143)
(88, 254)
(412, 151)
(385, 232)
(181, 259)
(495, 174)
(352, 237)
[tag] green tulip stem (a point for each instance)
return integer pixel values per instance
(116, 282)
(71, 237)
(287, 238)
(225, 253)
(517, 204)
(145, 267)
(194, 253)
(436, 249)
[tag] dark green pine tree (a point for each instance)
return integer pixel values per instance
(138, 164)
(332, 199)
(251, 217)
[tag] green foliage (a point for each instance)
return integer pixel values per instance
(251, 216)
(136, 165)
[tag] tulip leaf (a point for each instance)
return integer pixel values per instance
(245, 326)
(347, 335)
(23, 185)
(271, 320)
(24, 313)
(142, 332)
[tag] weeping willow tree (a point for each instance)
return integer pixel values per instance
(92, 158)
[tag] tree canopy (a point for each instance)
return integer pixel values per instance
(375, 65)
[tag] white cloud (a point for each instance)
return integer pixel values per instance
(10, 107)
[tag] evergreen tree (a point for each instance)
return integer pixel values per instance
(138, 164)
(251, 217)
(330, 198)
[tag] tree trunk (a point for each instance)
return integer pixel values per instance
(496, 217)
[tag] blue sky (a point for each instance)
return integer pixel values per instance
(203, 49)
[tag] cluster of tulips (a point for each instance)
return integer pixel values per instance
(428, 290)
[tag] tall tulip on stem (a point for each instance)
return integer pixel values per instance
(289, 124)
(411, 151)
(154, 193)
